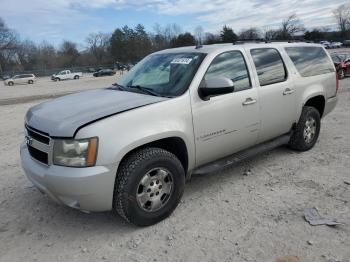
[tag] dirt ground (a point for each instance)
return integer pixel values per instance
(44, 88)
(226, 216)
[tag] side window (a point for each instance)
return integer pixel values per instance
(269, 66)
(231, 65)
(310, 60)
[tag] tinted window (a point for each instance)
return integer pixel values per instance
(269, 66)
(232, 66)
(310, 60)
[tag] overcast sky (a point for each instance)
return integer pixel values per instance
(54, 20)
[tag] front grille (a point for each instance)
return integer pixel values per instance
(37, 135)
(38, 155)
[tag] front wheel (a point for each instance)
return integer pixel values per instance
(10, 83)
(30, 82)
(307, 130)
(149, 186)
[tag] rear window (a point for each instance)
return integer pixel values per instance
(310, 60)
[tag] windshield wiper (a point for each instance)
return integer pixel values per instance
(119, 87)
(145, 90)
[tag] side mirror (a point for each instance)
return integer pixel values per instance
(215, 86)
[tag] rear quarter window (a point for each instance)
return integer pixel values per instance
(310, 60)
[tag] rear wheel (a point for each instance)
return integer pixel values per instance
(307, 130)
(149, 186)
(30, 81)
(76, 77)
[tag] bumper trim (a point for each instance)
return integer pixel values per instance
(87, 189)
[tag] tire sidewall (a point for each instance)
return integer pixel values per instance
(313, 113)
(135, 213)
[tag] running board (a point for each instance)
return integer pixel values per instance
(242, 155)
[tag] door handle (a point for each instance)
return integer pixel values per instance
(288, 91)
(249, 101)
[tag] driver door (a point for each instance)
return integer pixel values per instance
(227, 123)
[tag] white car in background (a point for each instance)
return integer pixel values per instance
(326, 44)
(335, 45)
(66, 74)
(20, 79)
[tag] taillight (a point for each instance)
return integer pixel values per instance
(337, 83)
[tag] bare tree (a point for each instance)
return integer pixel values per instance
(342, 15)
(98, 45)
(250, 33)
(27, 54)
(8, 45)
(68, 53)
(289, 27)
(199, 34)
(269, 33)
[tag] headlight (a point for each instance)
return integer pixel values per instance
(75, 152)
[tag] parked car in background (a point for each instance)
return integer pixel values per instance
(326, 44)
(104, 72)
(335, 45)
(346, 43)
(4, 77)
(181, 111)
(342, 64)
(20, 79)
(66, 74)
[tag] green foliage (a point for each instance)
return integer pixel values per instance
(186, 39)
(130, 45)
(227, 35)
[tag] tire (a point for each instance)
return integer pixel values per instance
(10, 83)
(342, 73)
(76, 77)
(150, 163)
(57, 79)
(307, 130)
(30, 81)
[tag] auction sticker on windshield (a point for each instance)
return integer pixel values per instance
(184, 61)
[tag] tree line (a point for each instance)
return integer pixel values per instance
(129, 45)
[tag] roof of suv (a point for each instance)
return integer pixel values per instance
(223, 47)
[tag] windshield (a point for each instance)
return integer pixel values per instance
(163, 74)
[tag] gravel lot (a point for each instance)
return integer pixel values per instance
(227, 216)
(45, 88)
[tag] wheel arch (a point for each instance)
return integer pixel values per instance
(173, 144)
(317, 102)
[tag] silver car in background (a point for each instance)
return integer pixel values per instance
(20, 79)
(178, 112)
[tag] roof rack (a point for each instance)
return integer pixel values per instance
(261, 40)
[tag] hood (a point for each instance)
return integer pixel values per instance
(61, 117)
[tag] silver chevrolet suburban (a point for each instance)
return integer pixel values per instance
(193, 110)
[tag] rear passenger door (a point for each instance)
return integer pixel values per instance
(276, 93)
